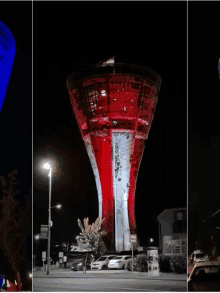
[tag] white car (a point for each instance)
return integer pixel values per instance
(205, 277)
(199, 261)
(198, 254)
(102, 262)
(118, 262)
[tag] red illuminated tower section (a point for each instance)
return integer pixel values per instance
(114, 113)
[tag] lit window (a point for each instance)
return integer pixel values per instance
(103, 93)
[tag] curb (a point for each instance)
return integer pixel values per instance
(98, 277)
(111, 276)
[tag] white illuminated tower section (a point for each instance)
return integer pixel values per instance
(114, 112)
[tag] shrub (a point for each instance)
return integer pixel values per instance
(172, 263)
(164, 264)
(128, 265)
(142, 262)
(179, 263)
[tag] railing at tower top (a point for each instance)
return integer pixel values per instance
(119, 68)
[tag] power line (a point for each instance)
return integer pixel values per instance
(211, 216)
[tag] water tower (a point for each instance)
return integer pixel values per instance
(114, 110)
(7, 54)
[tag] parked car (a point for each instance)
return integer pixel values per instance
(198, 254)
(199, 261)
(72, 259)
(102, 262)
(78, 263)
(205, 277)
(118, 262)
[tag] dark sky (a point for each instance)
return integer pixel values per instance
(71, 35)
(204, 132)
(15, 116)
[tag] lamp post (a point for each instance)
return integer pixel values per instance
(48, 167)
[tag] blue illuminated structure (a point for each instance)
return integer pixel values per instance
(7, 54)
(219, 67)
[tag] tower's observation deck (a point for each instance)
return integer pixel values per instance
(114, 113)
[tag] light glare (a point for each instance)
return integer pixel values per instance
(46, 166)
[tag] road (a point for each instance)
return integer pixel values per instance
(106, 284)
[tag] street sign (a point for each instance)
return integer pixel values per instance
(44, 255)
(133, 238)
(44, 232)
(60, 254)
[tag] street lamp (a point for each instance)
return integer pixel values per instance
(37, 237)
(58, 206)
(48, 167)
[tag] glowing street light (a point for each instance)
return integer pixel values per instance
(37, 237)
(58, 206)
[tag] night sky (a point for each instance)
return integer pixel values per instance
(204, 133)
(15, 116)
(71, 35)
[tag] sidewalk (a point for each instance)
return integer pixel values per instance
(67, 273)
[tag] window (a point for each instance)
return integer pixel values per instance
(179, 216)
(102, 258)
(103, 93)
(179, 226)
(92, 99)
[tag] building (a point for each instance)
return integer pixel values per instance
(173, 231)
(114, 112)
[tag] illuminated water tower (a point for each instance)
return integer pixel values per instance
(7, 54)
(114, 112)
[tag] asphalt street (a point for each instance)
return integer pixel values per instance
(106, 284)
(76, 281)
